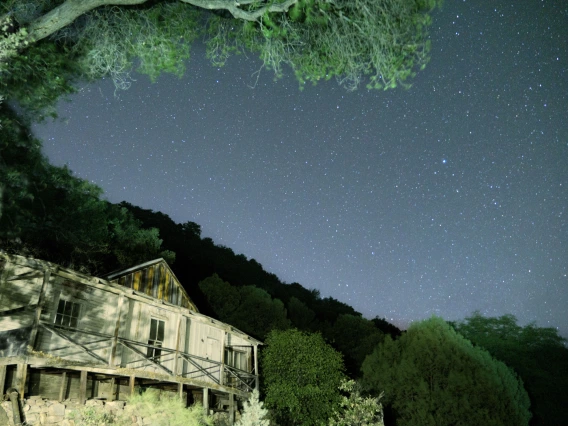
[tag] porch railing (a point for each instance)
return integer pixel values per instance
(185, 365)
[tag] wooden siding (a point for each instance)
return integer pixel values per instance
(158, 281)
(113, 324)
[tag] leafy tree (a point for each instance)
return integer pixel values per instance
(248, 308)
(355, 337)
(537, 354)
(301, 376)
(47, 212)
(386, 327)
(433, 376)
(381, 42)
(300, 315)
(357, 410)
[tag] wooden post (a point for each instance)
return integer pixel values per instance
(231, 409)
(40, 303)
(114, 343)
(112, 386)
(2, 379)
(206, 401)
(83, 387)
(256, 366)
(222, 367)
(180, 391)
(62, 386)
(178, 338)
(131, 384)
(21, 373)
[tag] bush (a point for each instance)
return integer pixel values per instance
(161, 409)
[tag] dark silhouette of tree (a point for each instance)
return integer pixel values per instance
(47, 212)
(537, 354)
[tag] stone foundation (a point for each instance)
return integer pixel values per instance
(37, 411)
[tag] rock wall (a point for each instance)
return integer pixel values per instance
(37, 411)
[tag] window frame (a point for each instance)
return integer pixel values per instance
(67, 313)
(155, 344)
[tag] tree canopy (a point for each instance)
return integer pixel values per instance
(433, 376)
(248, 308)
(302, 375)
(47, 212)
(379, 43)
(537, 354)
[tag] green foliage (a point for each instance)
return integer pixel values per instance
(157, 408)
(382, 42)
(38, 78)
(433, 376)
(47, 212)
(300, 315)
(248, 308)
(537, 354)
(158, 37)
(254, 414)
(355, 337)
(301, 376)
(356, 410)
(165, 409)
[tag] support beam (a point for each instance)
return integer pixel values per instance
(131, 384)
(83, 388)
(62, 386)
(231, 409)
(180, 391)
(41, 301)
(2, 379)
(256, 367)
(206, 401)
(21, 373)
(112, 386)
(178, 341)
(114, 344)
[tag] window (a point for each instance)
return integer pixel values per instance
(235, 358)
(156, 339)
(67, 314)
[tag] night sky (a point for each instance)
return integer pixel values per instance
(442, 199)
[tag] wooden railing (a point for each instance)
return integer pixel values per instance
(187, 365)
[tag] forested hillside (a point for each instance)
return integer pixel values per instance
(48, 213)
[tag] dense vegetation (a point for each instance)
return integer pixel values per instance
(478, 371)
(49, 213)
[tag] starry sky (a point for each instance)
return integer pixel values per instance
(442, 199)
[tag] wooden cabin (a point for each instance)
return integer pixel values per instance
(67, 335)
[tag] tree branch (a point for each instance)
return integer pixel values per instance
(66, 13)
(233, 7)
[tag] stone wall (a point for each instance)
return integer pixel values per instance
(37, 411)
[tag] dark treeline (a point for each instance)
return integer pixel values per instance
(434, 373)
